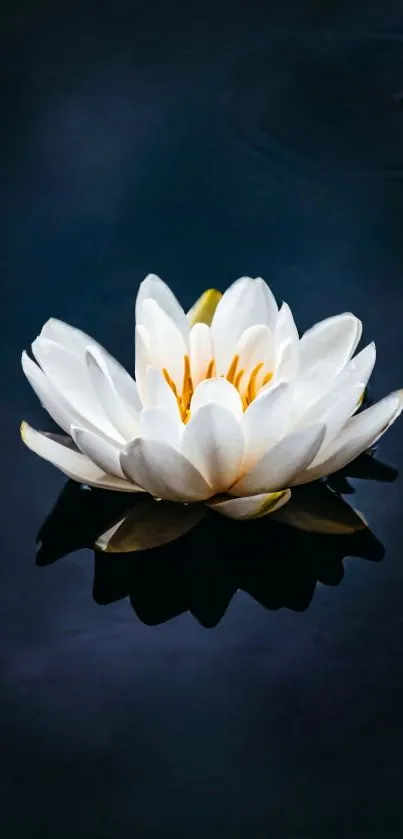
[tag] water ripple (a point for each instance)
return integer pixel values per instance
(333, 102)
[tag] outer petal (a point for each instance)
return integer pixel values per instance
(213, 441)
(142, 350)
(104, 453)
(244, 304)
(167, 347)
(155, 289)
(279, 467)
(161, 424)
(57, 407)
(220, 392)
(359, 434)
(68, 375)
(77, 342)
(72, 463)
(121, 406)
(163, 471)
(354, 375)
(251, 506)
(201, 351)
(265, 422)
(325, 350)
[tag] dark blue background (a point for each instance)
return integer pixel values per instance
(200, 141)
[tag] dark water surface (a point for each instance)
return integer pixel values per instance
(201, 142)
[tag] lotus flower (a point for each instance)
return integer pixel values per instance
(228, 405)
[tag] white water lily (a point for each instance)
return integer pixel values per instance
(228, 405)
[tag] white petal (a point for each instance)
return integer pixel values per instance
(285, 329)
(160, 424)
(120, 405)
(220, 392)
(255, 346)
(355, 374)
(359, 434)
(251, 506)
(163, 471)
(213, 441)
(68, 375)
(78, 342)
(201, 351)
(337, 415)
(142, 348)
(268, 302)
(53, 403)
(159, 393)
(73, 464)
(265, 422)
(167, 348)
(288, 362)
(104, 453)
(244, 304)
(155, 289)
(325, 350)
(279, 467)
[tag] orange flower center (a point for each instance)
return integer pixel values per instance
(247, 389)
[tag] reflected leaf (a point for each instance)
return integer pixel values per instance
(150, 524)
(316, 509)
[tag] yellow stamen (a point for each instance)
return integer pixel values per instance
(187, 388)
(268, 377)
(251, 392)
(232, 369)
(238, 378)
(210, 369)
(169, 381)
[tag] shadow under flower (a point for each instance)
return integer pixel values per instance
(277, 560)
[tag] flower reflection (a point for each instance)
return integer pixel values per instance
(210, 558)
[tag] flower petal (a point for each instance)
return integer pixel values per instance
(285, 329)
(204, 308)
(265, 422)
(358, 435)
(104, 453)
(220, 392)
(142, 348)
(163, 471)
(68, 375)
(213, 441)
(155, 289)
(159, 394)
(77, 342)
(355, 374)
(71, 462)
(160, 424)
(325, 350)
(121, 406)
(245, 303)
(250, 506)
(255, 346)
(62, 413)
(201, 352)
(167, 348)
(280, 466)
